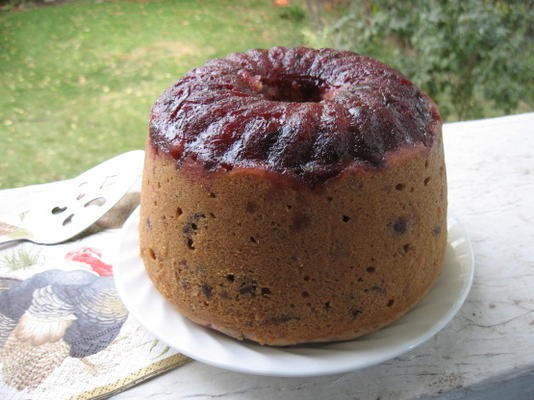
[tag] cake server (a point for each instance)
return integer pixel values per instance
(73, 205)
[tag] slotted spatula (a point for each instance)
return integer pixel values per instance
(74, 205)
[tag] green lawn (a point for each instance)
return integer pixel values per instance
(77, 80)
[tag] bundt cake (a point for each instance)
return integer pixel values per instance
(293, 195)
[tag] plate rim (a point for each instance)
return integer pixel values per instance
(129, 231)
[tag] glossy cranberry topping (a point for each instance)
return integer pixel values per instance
(298, 111)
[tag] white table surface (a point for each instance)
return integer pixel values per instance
(487, 351)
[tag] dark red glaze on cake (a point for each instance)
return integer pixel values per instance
(301, 112)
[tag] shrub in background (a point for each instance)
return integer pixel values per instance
(467, 54)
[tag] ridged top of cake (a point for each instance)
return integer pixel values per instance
(296, 111)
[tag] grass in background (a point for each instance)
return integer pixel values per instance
(77, 80)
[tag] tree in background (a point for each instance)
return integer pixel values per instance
(466, 54)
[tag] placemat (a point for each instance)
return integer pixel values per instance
(64, 332)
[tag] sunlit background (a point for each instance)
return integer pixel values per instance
(78, 78)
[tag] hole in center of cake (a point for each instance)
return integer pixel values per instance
(292, 89)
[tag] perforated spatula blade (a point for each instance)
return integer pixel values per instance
(77, 203)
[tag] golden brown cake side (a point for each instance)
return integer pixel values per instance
(259, 258)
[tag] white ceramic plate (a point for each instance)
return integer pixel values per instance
(433, 312)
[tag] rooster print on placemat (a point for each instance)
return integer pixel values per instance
(57, 314)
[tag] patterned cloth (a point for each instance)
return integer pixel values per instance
(64, 333)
